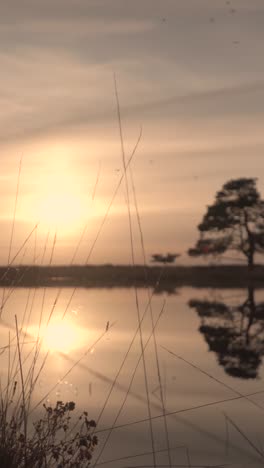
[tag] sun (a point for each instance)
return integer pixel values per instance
(58, 205)
(61, 210)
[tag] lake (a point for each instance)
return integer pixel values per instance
(210, 345)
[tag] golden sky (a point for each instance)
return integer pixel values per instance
(189, 73)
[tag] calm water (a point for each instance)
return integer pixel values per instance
(219, 332)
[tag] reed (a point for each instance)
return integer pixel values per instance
(37, 434)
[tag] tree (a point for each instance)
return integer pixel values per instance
(169, 258)
(235, 221)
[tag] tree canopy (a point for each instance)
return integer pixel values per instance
(235, 332)
(235, 221)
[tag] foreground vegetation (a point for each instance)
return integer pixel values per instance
(29, 438)
(50, 442)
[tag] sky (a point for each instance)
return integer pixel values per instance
(189, 74)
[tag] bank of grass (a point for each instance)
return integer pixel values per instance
(220, 276)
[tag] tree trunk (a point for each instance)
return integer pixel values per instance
(250, 258)
(251, 241)
(252, 310)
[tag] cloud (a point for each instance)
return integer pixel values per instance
(43, 94)
(79, 27)
(58, 58)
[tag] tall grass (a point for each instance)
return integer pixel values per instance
(25, 368)
(48, 440)
(27, 441)
(57, 438)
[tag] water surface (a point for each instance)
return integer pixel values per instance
(219, 334)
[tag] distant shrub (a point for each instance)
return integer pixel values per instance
(160, 258)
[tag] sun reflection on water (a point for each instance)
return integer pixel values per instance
(61, 336)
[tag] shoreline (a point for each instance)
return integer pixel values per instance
(109, 276)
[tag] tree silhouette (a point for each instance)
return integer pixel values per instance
(234, 333)
(234, 221)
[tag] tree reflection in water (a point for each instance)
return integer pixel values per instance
(234, 333)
